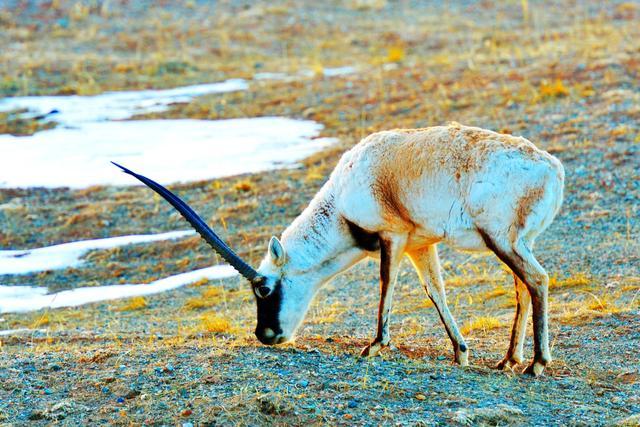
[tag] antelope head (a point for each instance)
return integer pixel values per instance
(278, 317)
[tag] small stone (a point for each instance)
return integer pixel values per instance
(47, 391)
(186, 412)
(132, 393)
(187, 424)
(36, 415)
(303, 383)
(55, 367)
(441, 358)
(105, 390)
(421, 396)
(120, 399)
(352, 404)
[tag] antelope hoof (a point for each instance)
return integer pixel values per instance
(507, 363)
(535, 368)
(372, 349)
(462, 357)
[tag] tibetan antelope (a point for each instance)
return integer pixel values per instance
(401, 192)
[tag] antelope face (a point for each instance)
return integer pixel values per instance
(282, 301)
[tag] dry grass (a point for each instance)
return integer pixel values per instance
(495, 293)
(482, 323)
(210, 297)
(576, 280)
(136, 303)
(244, 186)
(216, 324)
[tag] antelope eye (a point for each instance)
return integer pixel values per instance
(262, 291)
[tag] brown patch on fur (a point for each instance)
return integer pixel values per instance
(404, 156)
(526, 204)
(387, 192)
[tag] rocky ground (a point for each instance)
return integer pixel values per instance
(563, 75)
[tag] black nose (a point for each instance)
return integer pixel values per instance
(262, 291)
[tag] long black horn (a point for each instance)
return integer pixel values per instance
(201, 227)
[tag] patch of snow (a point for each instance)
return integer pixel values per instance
(272, 76)
(15, 299)
(326, 72)
(68, 254)
(74, 110)
(338, 71)
(92, 131)
(168, 151)
(20, 331)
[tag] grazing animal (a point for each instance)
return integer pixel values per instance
(401, 192)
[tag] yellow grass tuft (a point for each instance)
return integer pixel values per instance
(395, 54)
(603, 304)
(549, 90)
(136, 303)
(244, 186)
(484, 323)
(41, 321)
(215, 324)
(314, 173)
(579, 279)
(498, 292)
(201, 282)
(210, 297)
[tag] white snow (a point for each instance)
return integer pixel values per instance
(91, 133)
(75, 110)
(165, 150)
(15, 299)
(326, 72)
(69, 254)
(338, 71)
(20, 331)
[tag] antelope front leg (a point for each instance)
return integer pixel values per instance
(391, 252)
(427, 264)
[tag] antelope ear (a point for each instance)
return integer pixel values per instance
(276, 251)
